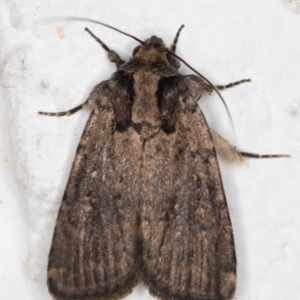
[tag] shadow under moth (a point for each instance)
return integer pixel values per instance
(145, 200)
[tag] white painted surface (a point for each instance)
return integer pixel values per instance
(53, 67)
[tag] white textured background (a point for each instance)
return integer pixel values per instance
(53, 67)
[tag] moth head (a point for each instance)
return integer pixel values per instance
(154, 43)
(153, 49)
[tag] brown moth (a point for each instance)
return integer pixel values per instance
(145, 200)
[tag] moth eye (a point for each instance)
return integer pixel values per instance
(135, 50)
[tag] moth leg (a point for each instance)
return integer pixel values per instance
(197, 84)
(202, 87)
(112, 55)
(222, 146)
(63, 113)
(97, 93)
(172, 59)
(253, 155)
(174, 44)
(232, 154)
(232, 84)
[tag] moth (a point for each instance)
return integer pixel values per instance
(145, 200)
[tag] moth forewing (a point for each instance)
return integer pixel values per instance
(145, 200)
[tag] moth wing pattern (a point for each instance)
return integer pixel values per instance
(145, 199)
(93, 249)
(186, 247)
(176, 235)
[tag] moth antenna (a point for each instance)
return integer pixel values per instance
(96, 22)
(173, 46)
(211, 84)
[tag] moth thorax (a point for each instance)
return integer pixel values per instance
(145, 108)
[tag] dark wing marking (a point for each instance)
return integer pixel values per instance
(186, 246)
(94, 244)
